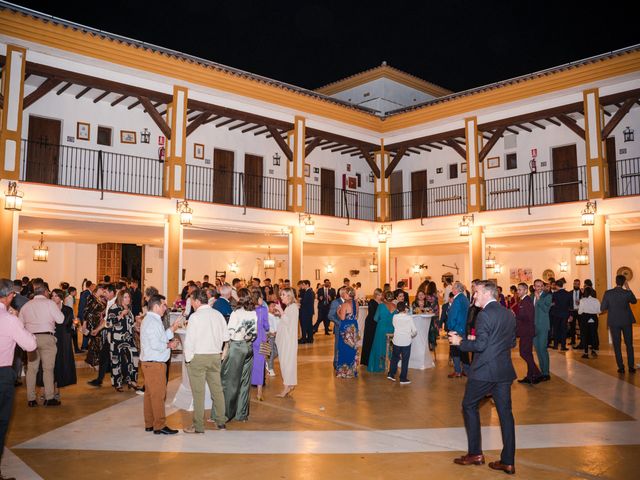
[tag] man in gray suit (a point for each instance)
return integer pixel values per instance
(617, 302)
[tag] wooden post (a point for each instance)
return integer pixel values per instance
(13, 93)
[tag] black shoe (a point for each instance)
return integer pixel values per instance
(632, 370)
(32, 403)
(579, 347)
(18, 383)
(621, 370)
(545, 378)
(525, 380)
(301, 341)
(165, 431)
(586, 355)
(95, 383)
(148, 429)
(52, 402)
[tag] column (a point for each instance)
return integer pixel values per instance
(8, 242)
(296, 241)
(599, 254)
(475, 169)
(11, 132)
(296, 185)
(382, 186)
(178, 144)
(597, 173)
(476, 254)
(383, 264)
(172, 274)
(166, 184)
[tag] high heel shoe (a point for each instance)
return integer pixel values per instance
(135, 388)
(286, 392)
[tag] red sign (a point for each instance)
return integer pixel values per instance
(534, 152)
(161, 140)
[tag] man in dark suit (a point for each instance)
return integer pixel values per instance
(325, 295)
(561, 304)
(223, 303)
(136, 298)
(617, 303)
(307, 300)
(492, 373)
(526, 330)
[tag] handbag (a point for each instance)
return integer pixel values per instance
(265, 349)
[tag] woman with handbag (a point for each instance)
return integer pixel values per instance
(287, 340)
(261, 345)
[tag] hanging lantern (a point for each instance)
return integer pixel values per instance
(41, 253)
(582, 257)
(564, 267)
(13, 198)
(329, 268)
(490, 261)
(373, 266)
(464, 227)
(305, 220)
(497, 268)
(186, 213)
(233, 267)
(269, 263)
(589, 213)
(384, 232)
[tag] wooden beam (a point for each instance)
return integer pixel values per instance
(515, 132)
(431, 145)
(239, 115)
(329, 145)
(604, 110)
(491, 143)
(134, 105)
(372, 164)
(536, 124)
(226, 122)
(620, 114)
(424, 149)
(101, 96)
(156, 117)
(341, 147)
(1, 101)
(253, 127)
(118, 100)
(527, 117)
(261, 132)
(199, 120)
(46, 86)
(284, 146)
(211, 119)
(243, 124)
(453, 144)
(526, 129)
(555, 122)
(312, 146)
(571, 124)
(312, 132)
(438, 137)
(350, 150)
(61, 91)
(412, 150)
(394, 163)
(82, 92)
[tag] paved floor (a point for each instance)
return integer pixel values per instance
(585, 423)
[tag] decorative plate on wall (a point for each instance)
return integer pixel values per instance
(547, 274)
(626, 271)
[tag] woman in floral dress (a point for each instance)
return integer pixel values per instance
(346, 361)
(124, 354)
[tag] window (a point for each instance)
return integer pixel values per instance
(512, 161)
(104, 136)
(453, 170)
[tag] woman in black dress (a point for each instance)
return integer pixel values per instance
(64, 372)
(124, 354)
(370, 327)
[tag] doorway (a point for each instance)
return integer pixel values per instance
(131, 264)
(396, 196)
(612, 170)
(253, 180)
(566, 187)
(222, 176)
(418, 194)
(327, 192)
(43, 150)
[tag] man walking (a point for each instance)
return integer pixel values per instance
(492, 373)
(325, 295)
(526, 330)
(39, 317)
(560, 310)
(206, 333)
(307, 299)
(457, 323)
(617, 302)
(542, 305)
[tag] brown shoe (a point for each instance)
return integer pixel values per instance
(510, 469)
(191, 429)
(470, 460)
(454, 375)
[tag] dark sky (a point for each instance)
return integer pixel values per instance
(309, 43)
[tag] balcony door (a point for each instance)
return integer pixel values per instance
(253, 180)
(396, 196)
(43, 150)
(418, 194)
(222, 176)
(611, 167)
(565, 174)
(327, 192)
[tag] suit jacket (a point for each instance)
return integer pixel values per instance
(542, 307)
(325, 302)
(457, 315)
(224, 307)
(617, 302)
(525, 318)
(562, 304)
(306, 303)
(495, 337)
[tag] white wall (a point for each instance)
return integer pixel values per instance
(153, 259)
(400, 266)
(341, 267)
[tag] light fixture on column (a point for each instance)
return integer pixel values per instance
(329, 268)
(582, 257)
(41, 253)
(563, 267)
(186, 212)
(13, 198)
(276, 159)
(233, 267)
(269, 263)
(307, 222)
(373, 266)
(464, 227)
(589, 213)
(497, 268)
(417, 268)
(372, 178)
(145, 136)
(628, 134)
(490, 261)
(384, 232)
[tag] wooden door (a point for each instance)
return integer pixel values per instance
(327, 192)
(396, 196)
(418, 194)
(612, 167)
(253, 180)
(43, 150)
(222, 176)
(109, 261)
(565, 174)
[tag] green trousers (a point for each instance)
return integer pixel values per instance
(540, 342)
(236, 380)
(206, 368)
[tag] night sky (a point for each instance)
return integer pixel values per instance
(309, 43)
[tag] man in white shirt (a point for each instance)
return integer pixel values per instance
(404, 329)
(203, 347)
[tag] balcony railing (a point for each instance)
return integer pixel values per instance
(339, 202)
(429, 202)
(540, 188)
(235, 188)
(627, 178)
(91, 169)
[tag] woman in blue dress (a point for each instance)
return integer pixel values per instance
(384, 320)
(346, 361)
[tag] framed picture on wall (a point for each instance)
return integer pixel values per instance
(198, 151)
(493, 162)
(307, 170)
(83, 131)
(463, 167)
(128, 136)
(353, 183)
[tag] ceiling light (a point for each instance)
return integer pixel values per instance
(41, 253)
